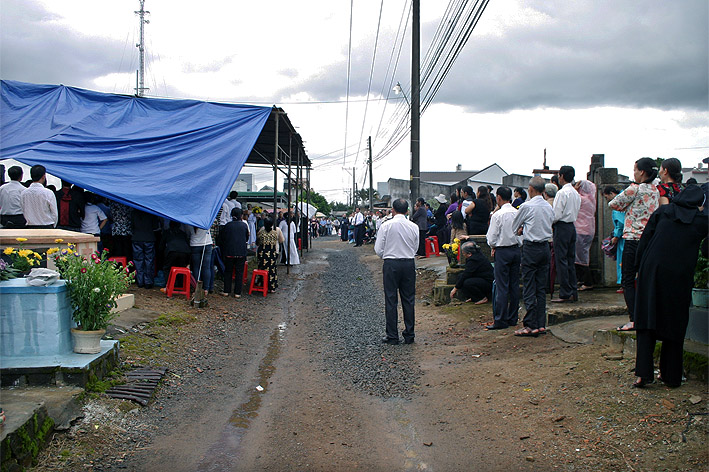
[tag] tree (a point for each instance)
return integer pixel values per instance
(339, 206)
(317, 200)
(363, 195)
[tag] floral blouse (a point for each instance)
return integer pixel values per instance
(639, 201)
(669, 190)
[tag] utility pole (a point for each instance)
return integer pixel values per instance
(415, 100)
(371, 189)
(140, 86)
(354, 189)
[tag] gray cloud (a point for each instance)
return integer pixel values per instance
(214, 66)
(34, 50)
(601, 53)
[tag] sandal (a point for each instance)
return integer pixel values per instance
(629, 326)
(542, 331)
(583, 288)
(526, 332)
(481, 302)
(641, 382)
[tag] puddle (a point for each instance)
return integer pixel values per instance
(223, 453)
(242, 416)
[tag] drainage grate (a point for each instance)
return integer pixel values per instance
(140, 387)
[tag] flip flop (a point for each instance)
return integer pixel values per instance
(625, 327)
(526, 332)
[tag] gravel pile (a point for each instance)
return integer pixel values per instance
(355, 327)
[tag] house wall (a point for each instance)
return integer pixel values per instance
(399, 188)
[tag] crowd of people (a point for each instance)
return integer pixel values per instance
(154, 244)
(544, 234)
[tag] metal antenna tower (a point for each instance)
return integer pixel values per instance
(140, 84)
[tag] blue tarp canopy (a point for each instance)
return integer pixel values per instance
(174, 158)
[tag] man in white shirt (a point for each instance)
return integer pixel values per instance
(358, 222)
(566, 209)
(10, 200)
(397, 242)
(534, 218)
(39, 205)
(505, 249)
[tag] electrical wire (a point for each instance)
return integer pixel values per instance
(349, 66)
(371, 74)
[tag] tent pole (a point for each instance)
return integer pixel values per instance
(292, 218)
(304, 228)
(275, 171)
(310, 241)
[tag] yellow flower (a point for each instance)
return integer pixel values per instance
(446, 246)
(52, 250)
(58, 241)
(456, 240)
(25, 252)
(20, 240)
(9, 250)
(37, 256)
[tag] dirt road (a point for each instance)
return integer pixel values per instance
(300, 381)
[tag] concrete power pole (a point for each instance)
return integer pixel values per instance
(415, 100)
(354, 189)
(140, 85)
(371, 188)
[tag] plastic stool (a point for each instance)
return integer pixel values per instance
(432, 246)
(184, 288)
(119, 260)
(264, 285)
(435, 241)
(300, 243)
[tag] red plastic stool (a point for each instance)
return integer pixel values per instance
(246, 274)
(264, 285)
(300, 243)
(435, 241)
(432, 246)
(184, 288)
(119, 260)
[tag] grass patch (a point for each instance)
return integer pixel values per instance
(174, 319)
(95, 385)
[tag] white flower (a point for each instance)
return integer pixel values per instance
(97, 290)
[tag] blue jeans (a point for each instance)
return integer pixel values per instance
(207, 275)
(144, 260)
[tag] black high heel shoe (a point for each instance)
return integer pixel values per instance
(642, 383)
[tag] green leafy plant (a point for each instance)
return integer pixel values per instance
(22, 259)
(7, 272)
(701, 272)
(94, 285)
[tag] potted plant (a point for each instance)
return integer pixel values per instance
(700, 292)
(94, 284)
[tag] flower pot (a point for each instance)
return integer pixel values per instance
(87, 342)
(700, 297)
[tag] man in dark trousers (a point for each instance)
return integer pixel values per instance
(234, 237)
(358, 222)
(566, 209)
(397, 242)
(505, 250)
(534, 219)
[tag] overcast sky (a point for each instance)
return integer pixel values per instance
(624, 78)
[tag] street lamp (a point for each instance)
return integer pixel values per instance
(398, 90)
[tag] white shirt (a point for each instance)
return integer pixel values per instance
(398, 238)
(39, 205)
(10, 198)
(536, 217)
(500, 233)
(225, 216)
(466, 203)
(566, 204)
(93, 215)
(199, 236)
(358, 219)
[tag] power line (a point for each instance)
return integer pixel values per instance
(371, 74)
(349, 66)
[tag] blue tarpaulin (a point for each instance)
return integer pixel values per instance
(173, 158)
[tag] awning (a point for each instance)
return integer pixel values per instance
(174, 158)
